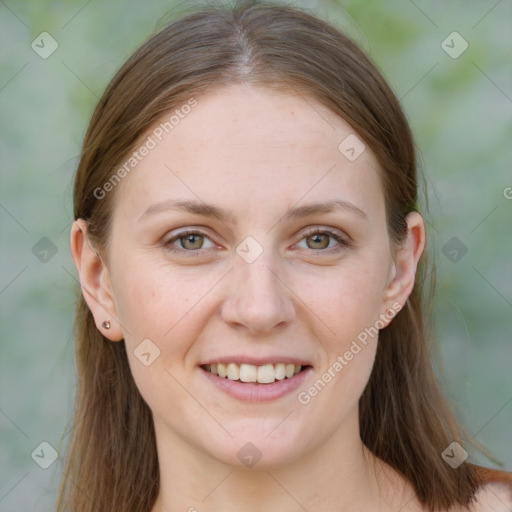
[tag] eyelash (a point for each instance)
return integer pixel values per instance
(342, 242)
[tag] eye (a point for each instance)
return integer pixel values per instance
(321, 239)
(188, 241)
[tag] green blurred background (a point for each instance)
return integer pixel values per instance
(459, 106)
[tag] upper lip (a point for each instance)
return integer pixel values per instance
(257, 361)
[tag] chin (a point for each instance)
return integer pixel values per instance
(259, 457)
(259, 448)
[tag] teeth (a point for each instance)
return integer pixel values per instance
(290, 370)
(233, 371)
(264, 374)
(280, 371)
(222, 369)
(248, 373)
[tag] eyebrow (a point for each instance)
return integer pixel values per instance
(210, 210)
(328, 207)
(195, 207)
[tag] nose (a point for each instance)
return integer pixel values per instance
(258, 300)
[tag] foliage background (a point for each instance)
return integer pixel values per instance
(460, 110)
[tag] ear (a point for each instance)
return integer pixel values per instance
(94, 281)
(403, 272)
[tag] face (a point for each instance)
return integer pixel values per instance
(246, 242)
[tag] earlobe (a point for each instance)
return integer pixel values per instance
(406, 262)
(94, 281)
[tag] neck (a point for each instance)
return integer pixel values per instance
(339, 475)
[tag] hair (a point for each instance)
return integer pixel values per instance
(112, 459)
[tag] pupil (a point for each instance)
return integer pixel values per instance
(192, 242)
(319, 241)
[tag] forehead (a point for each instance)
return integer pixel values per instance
(251, 148)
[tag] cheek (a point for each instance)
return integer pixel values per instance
(339, 386)
(346, 301)
(350, 311)
(166, 305)
(348, 306)
(169, 308)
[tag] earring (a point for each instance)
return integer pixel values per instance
(106, 324)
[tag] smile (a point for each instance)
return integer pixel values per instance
(262, 374)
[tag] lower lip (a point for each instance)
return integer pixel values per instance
(253, 391)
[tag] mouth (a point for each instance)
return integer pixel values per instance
(268, 373)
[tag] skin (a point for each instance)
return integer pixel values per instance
(256, 154)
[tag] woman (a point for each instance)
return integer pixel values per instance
(250, 333)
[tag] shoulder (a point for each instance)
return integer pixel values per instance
(494, 493)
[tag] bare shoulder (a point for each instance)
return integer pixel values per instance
(493, 497)
(495, 493)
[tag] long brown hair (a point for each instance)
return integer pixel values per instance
(404, 420)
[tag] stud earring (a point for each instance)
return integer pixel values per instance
(106, 324)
